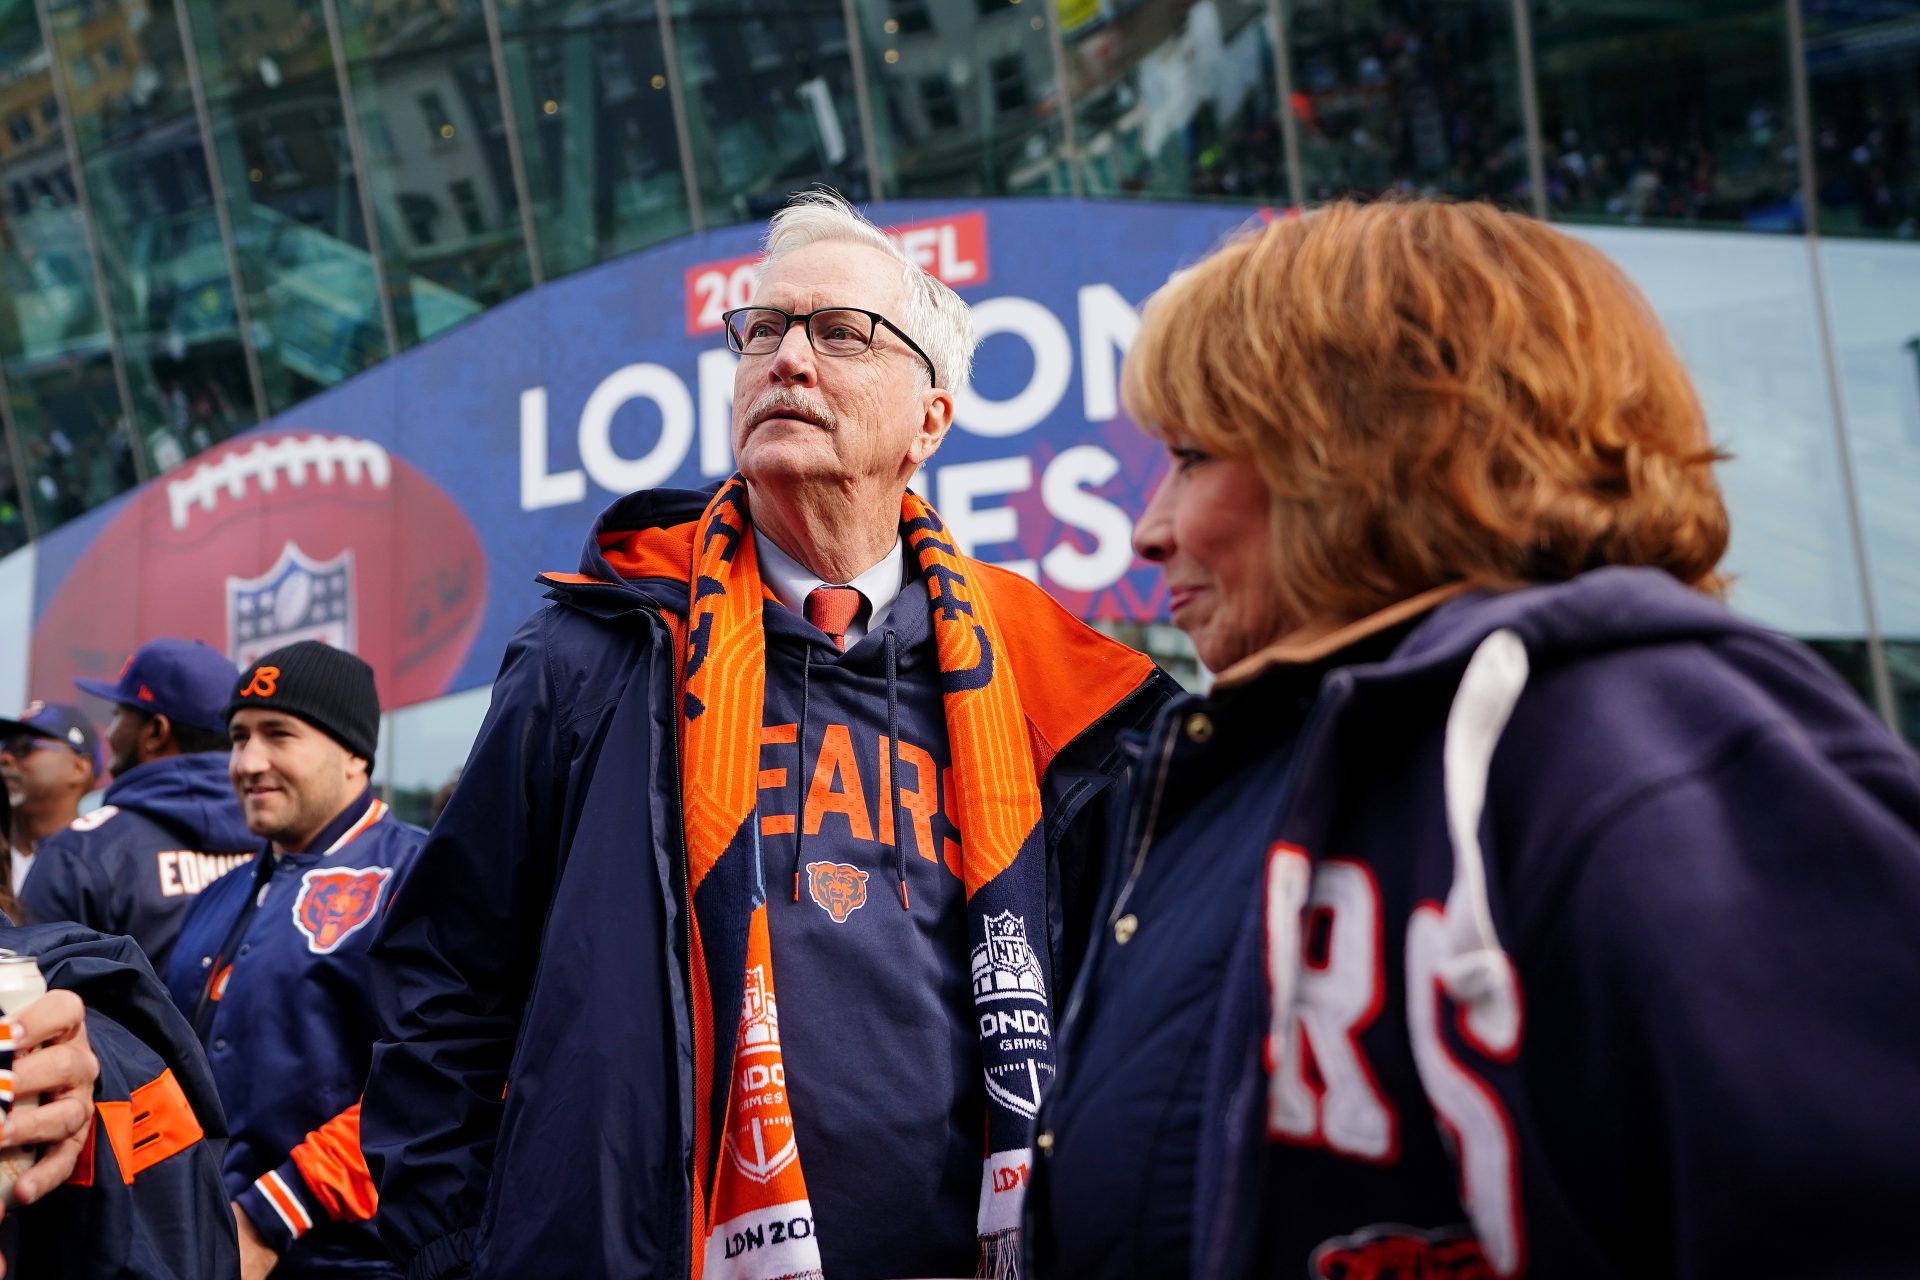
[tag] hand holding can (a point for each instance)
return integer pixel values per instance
(21, 984)
(52, 1071)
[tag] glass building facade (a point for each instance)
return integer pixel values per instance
(211, 210)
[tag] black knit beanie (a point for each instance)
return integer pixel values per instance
(329, 688)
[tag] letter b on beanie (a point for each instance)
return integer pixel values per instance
(329, 688)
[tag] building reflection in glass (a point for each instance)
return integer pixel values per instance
(69, 424)
(293, 195)
(435, 150)
(965, 99)
(1413, 97)
(1175, 100)
(1655, 115)
(163, 259)
(770, 103)
(595, 120)
(1863, 71)
(1863, 81)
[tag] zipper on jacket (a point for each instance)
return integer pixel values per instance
(684, 874)
(1338, 686)
(1149, 819)
(207, 1008)
(1146, 817)
(1334, 695)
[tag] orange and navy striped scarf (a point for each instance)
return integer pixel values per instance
(752, 1218)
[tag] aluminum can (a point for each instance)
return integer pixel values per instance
(21, 983)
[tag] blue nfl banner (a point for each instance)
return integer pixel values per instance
(405, 513)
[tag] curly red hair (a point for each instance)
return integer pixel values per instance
(1434, 393)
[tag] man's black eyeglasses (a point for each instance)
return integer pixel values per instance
(833, 331)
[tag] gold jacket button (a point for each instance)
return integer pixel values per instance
(1199, 727)
(1045, 1142)
(1124, 928)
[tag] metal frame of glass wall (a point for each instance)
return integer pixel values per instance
(276, 232)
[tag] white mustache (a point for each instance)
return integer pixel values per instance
(777, 399)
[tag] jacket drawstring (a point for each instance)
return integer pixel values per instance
(800, 829)
(1472, 974)
(893, 772)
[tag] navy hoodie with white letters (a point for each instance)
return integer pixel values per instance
(164, 831)
(1578, 939)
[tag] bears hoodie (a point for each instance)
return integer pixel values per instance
(166, 830)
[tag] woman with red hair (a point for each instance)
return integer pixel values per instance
(1509, 906)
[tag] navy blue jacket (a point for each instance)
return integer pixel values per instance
(1595, 907)
(145, 1201)
(529, 1111)
(271, 968)
(164, 831)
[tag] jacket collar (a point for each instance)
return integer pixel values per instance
(1325, 644)
(358, 811)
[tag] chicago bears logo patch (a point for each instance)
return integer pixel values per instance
(334, 904)
(840, 889)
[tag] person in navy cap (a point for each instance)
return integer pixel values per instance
(169, 825)
(49, 758)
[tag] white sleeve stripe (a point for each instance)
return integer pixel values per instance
(281, 1197)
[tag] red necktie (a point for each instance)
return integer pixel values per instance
(832, 609)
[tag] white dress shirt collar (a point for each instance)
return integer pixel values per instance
(793, 582)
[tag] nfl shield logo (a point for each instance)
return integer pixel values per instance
(298, 599)
(1004, 966)
(760, 1016)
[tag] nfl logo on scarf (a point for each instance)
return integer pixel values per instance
(1006, 969)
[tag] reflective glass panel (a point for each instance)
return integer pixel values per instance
(1872, 288)
(280, 141)
(72, 433)
(1175, 99)
(53, 342)
(427, 746)
(964, 98)
(1863, 74)
(435, 145)
(770, 103)
(595, 120)
(1409, 96)
(167, 269)
(1903, 660)
(13, 524)
(1667, 113)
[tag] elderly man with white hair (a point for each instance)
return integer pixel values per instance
(736, 952)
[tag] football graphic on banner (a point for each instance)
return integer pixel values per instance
(273, 538)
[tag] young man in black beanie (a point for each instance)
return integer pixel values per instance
(271, 963)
